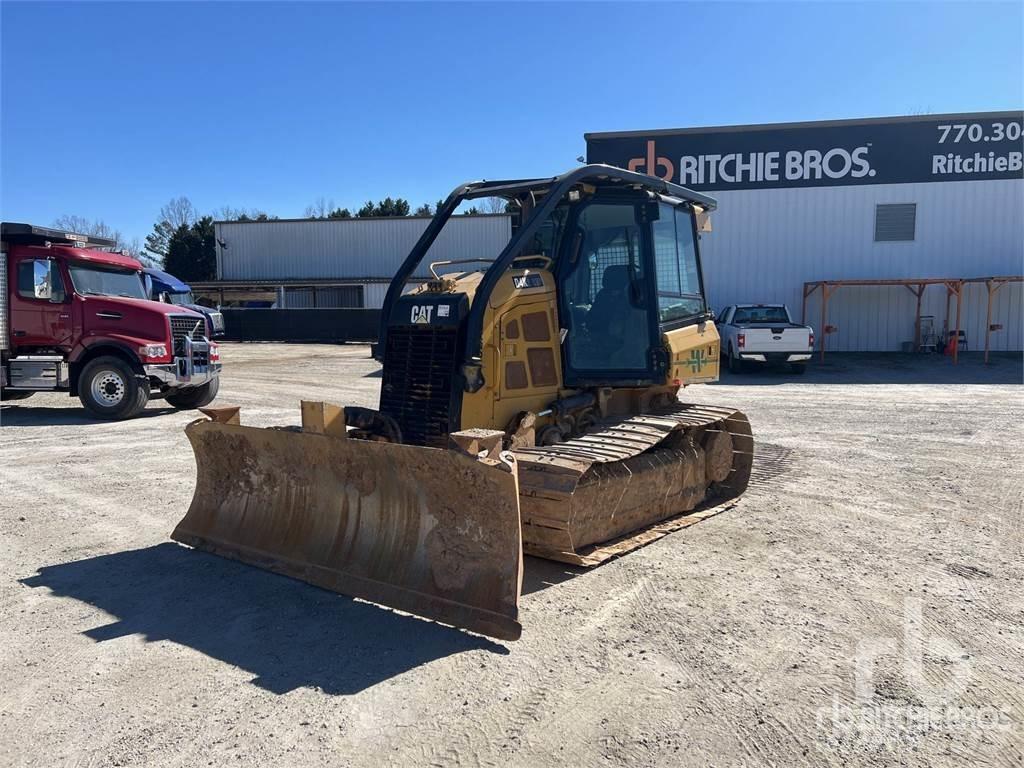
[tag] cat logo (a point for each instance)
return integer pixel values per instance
(421, 314)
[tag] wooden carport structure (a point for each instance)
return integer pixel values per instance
(954, 287)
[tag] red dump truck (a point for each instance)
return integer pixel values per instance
(76, 318)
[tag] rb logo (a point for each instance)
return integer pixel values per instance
(652, 165)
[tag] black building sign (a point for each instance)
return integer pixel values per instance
(963, 147)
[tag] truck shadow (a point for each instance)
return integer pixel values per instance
(287, 634)
(29, 416)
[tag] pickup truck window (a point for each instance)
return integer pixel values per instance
(40, 279)
(745, 315)
(675, 259)
(106, 281)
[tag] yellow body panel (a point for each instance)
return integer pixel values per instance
(694, 353)
(521, 355)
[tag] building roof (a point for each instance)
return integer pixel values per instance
(959, 116)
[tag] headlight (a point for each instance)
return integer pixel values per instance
(153, 350)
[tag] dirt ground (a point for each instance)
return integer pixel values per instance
(862, 605)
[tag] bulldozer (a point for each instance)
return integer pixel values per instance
(529, 404)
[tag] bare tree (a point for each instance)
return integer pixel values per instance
(493, 204)
(76, 224)
(320, 208)
(82, 226)
(178, 211)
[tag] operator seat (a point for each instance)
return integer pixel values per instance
(604, 320)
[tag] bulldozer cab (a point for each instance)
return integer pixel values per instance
(628, 266)
(623, 249)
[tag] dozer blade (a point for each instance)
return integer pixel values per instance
(431, 532)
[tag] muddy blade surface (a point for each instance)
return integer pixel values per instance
(426, 531)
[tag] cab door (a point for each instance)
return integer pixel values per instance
(40, 307)
(608, 304)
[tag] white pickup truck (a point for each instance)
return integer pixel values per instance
(763, 333)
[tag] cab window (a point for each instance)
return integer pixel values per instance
(675, 258)
(603, 291)
(40, 279)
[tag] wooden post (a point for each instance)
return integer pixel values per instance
(918, 291)
(917, 319)
(945, 323)
(993, 287)
(956, 331)
(824, 319)
(803, 307)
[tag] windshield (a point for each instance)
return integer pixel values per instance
(180, 298)
(92, 279)
(760, 315)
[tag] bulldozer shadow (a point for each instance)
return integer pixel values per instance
(287, 634)
(540, 574)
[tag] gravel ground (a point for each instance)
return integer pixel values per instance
(863, 604)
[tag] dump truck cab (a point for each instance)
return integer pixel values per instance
(76, 318)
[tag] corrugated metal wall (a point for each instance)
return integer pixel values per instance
(767, 243)
(325, 297)
(347, 248)
(373, 295)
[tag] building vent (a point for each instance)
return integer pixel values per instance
(895, 221)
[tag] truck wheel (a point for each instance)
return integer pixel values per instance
(14, 394)
(194, 397)
(798, 368)
(110, 389)
(735, 364)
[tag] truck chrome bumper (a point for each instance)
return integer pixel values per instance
(177, 375)
(185, 371)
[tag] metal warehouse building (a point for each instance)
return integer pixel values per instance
(330, 263)
(934, 196)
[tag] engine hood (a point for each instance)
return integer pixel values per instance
(140, 305)
(134, 318)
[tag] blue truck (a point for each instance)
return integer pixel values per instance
(167, 288)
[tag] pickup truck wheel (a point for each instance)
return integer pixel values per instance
(110, 389)
(798, 368)
(194, 397)
(735, 364)
(14, 394)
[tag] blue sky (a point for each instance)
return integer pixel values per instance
(109, 110)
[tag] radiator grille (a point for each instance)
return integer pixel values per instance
(416, 390)
(186, 325)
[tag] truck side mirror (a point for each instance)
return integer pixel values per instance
(164, 297)
(42, 289)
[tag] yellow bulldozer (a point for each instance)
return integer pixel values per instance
(529, 403)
